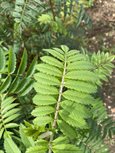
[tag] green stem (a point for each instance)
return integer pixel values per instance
(54, 124)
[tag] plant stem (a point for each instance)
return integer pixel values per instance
(57, 106)
(52, 9)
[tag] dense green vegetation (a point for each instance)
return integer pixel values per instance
(49, 100)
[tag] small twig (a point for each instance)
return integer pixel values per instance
(52, 9)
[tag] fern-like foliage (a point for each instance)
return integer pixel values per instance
(10, 146)
(22, 20)
(93, 143)
(8, 113)
(104, 125)
(26, 12)
(14, 82)
(65, 84)
(67, 71)
(103, 65)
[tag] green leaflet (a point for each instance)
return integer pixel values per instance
(23, 63)
(22, 84)
(59, 51)
(52, 80)
(60, 140)
(68, 103)
(28, 87)
(36, 149)
(2, 60)
(46, 79)
(81, 75)
(44, 100)
(80, 65)
(81, 86)
(55, 53)
(48, 69)
(14, 85)
(66, 129)
(42, 121)
(8, 107)
(76, 111)
(78, 122)
(77, 57)
(11, 125)
(5, 84)
(11, 62)
(78, 97)
(27, 141)
(52, 61)
(8, 113)
(72, 53)
(31, 68)
(10, 146)
(46, 90)
(11, 118)
(64, 48)
(42, 142)
(42, 111)
(7, 101)
(66, 148)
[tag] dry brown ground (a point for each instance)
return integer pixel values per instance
(103, 31)
(103, 35)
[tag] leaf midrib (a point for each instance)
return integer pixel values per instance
(54, 124)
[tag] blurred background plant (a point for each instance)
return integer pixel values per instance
(37, 24)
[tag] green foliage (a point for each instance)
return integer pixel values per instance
(102, 62)
(37, 24)
(93, 143)
(10, 146)
(14, 82)
(8, 113)
(65, 84)
(65, 116)
(25, 13)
